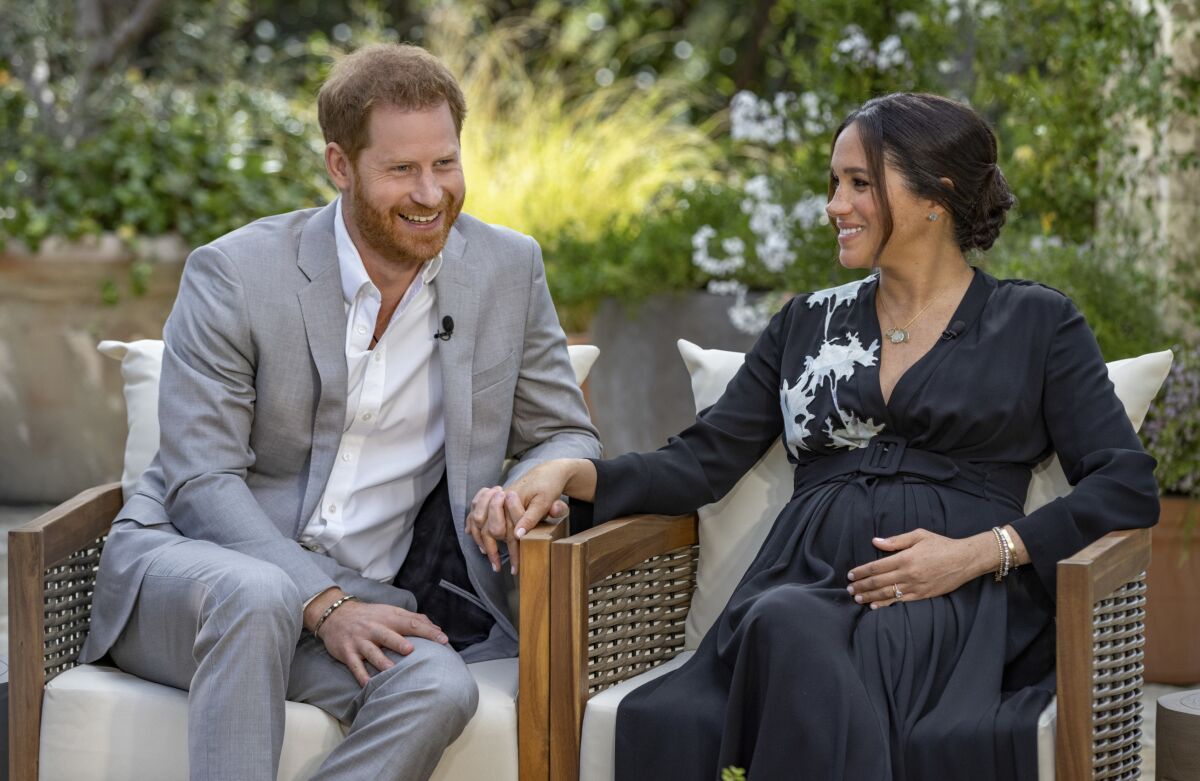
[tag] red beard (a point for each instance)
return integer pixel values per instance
(384, 231)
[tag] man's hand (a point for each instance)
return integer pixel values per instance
(493, 518)
(922, 565)
(356, 633)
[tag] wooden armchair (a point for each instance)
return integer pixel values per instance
(622, 592)
(52, 567)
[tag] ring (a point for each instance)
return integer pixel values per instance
(896, 591)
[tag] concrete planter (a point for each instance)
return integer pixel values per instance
(640, 391)
(62, 413)
(1173, 594)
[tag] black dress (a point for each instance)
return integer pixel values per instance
(797, 681)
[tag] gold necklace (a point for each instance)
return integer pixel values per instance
(900, 335)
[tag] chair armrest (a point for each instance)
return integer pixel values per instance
(52, 564)
(533, 702)
(621, 595)
(1101, 610)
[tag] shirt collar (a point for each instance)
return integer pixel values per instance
(354, 273)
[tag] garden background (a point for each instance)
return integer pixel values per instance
(670, 156)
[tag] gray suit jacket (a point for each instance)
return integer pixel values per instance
(253, 393)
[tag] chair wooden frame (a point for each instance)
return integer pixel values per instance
(611, 621)
(51, 571)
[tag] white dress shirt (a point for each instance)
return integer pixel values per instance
(392, 451)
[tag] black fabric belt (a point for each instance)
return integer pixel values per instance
(886, 455)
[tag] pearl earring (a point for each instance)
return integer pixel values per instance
(932, 217)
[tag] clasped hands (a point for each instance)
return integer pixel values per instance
(495, 517)
(499, 515)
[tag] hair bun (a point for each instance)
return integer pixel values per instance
(995, 199)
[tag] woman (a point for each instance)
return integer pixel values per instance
(898, 622)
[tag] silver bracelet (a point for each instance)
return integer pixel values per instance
(328, 611)
(1002, 570)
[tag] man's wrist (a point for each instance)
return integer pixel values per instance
(317, 605)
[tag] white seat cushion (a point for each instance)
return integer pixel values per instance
(600, 727)
(101, 724)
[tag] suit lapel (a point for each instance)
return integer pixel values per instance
(324, 311)
(457, 298)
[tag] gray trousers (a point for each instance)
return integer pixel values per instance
(227, 628)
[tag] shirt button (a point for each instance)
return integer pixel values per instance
(346, 456)
(367, 416)
(362, 329)
(333, 508)
(378, 356)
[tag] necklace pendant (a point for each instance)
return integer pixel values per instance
(897, 335)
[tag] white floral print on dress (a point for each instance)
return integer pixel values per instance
(836, 360)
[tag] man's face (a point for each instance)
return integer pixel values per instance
(406, 188)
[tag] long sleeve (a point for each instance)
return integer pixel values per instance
(549, 417)
(705, 461)
(206, 409)
(1113, 477)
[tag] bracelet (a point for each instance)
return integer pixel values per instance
(328, 611)
(1005, 560)
(1012, 549)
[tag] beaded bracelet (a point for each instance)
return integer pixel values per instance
(1012, 549)
(337, 603)
(1005, 560)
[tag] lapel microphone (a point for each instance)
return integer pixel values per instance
(447, 329)
(952, 332)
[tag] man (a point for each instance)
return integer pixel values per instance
(336, 384)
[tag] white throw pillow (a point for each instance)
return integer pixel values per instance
(141, 365)
(733, 529)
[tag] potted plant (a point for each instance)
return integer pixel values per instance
(1172, 434)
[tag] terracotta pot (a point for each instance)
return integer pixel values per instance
(1173, 594)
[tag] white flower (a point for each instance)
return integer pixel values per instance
(854, 46)
(726, 287)
(760, 120)
(758, 188)
(809, 212)
(891, 53)
(907, 20)
(749, 318)
(716, 266)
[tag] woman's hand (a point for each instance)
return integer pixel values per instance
(492, 518)
(922, 565)
(540, 487)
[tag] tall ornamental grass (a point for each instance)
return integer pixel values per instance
(549, 159)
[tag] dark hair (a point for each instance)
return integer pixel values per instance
(927, 138)
(400, 75)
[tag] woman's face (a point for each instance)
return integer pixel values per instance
(855, 210)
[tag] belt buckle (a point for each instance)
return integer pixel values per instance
(883, 455)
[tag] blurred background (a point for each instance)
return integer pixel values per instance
(669, 155)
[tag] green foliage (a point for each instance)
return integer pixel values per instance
(1172, 429)
(1119, 298)
(546, 158)
(198, 161)
(732, 773)
(184, 139)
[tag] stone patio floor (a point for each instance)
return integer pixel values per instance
(12, 517)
